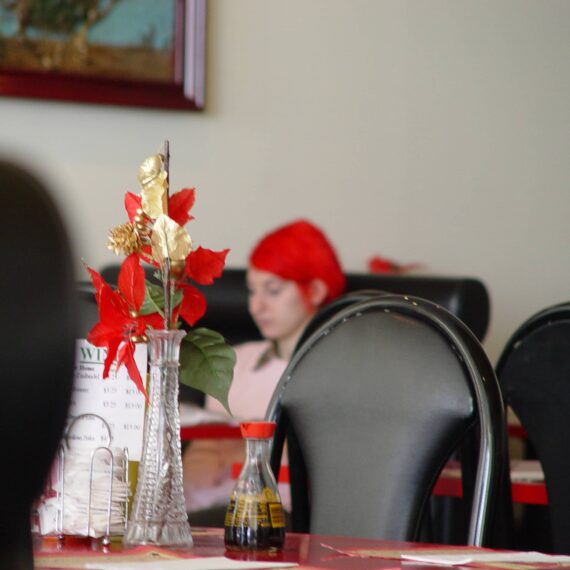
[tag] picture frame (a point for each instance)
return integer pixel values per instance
(183, 89)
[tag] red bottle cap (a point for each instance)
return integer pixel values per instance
(257, 430)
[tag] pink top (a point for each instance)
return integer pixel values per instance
(256, 374)
(207, 462)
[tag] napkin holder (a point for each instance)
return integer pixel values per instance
(100, 474)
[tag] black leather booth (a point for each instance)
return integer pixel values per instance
(227, 312)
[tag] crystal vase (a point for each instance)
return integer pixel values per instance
(158, 516)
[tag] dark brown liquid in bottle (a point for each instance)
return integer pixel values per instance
(250, 532)
(250, 538)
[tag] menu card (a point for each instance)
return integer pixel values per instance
(115, 399)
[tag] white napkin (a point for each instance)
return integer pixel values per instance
(472, 557)
(210, 563)
(76, 495)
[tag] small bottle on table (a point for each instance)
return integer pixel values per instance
(254, 518)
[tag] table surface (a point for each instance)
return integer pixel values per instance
(309, 551)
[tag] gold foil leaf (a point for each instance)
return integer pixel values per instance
(154, 196)
(153, 179)
(124, 239)
(169, 240)
(150, 169)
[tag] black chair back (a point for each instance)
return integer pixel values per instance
(38, 346)
(534, 374)
(379, 397)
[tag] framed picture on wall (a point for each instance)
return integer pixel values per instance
(147, 53)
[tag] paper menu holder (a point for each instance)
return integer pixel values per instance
(102, 447)
(116, 399)
(88, 489)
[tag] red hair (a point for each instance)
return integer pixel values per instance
(300, 252)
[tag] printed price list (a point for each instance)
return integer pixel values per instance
(115, 398)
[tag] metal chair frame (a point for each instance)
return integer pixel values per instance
(478, 371)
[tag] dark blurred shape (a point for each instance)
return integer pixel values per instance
(534, 374)
(37, 304)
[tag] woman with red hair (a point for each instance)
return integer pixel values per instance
(292, 272)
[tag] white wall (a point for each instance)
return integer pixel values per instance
(435, 131)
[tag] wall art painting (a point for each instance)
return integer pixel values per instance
(127, 52)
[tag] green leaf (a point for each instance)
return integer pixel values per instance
(207, 363)
(154, 299)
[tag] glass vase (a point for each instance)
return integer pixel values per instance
(158, 516)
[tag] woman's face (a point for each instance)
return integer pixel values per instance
(277, 306)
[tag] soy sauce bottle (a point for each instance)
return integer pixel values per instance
(254, 518)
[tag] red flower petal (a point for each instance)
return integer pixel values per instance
(127, 357)
(113, 311)
(180, 204)
(155, 321)
(193, 304)
(204, 265)
(112, 348)
(132, 204)
(100, 334)
(131, 281)
(98, 282)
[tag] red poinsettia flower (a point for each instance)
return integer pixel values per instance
(119, 324)
(193, 305)
(179, 204)
(202, 266)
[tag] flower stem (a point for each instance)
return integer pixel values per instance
(166, 269)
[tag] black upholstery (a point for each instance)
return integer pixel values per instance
(38, 340)
(227, 299)
(87, 310)
(379, 397)
(228, 311)
(534, 374)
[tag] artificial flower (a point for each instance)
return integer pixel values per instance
(204, 265)
(179, 204)
(124, 239)
(193, 305)
(169, 240)
(150, 169)
(119, 322)
(153, 180)
(155, 234)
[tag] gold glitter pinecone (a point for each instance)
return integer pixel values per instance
(124, 239)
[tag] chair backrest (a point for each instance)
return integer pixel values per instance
(329, 310)
(38, 346)
(228, 313)
(534, 374)
(378, 398)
